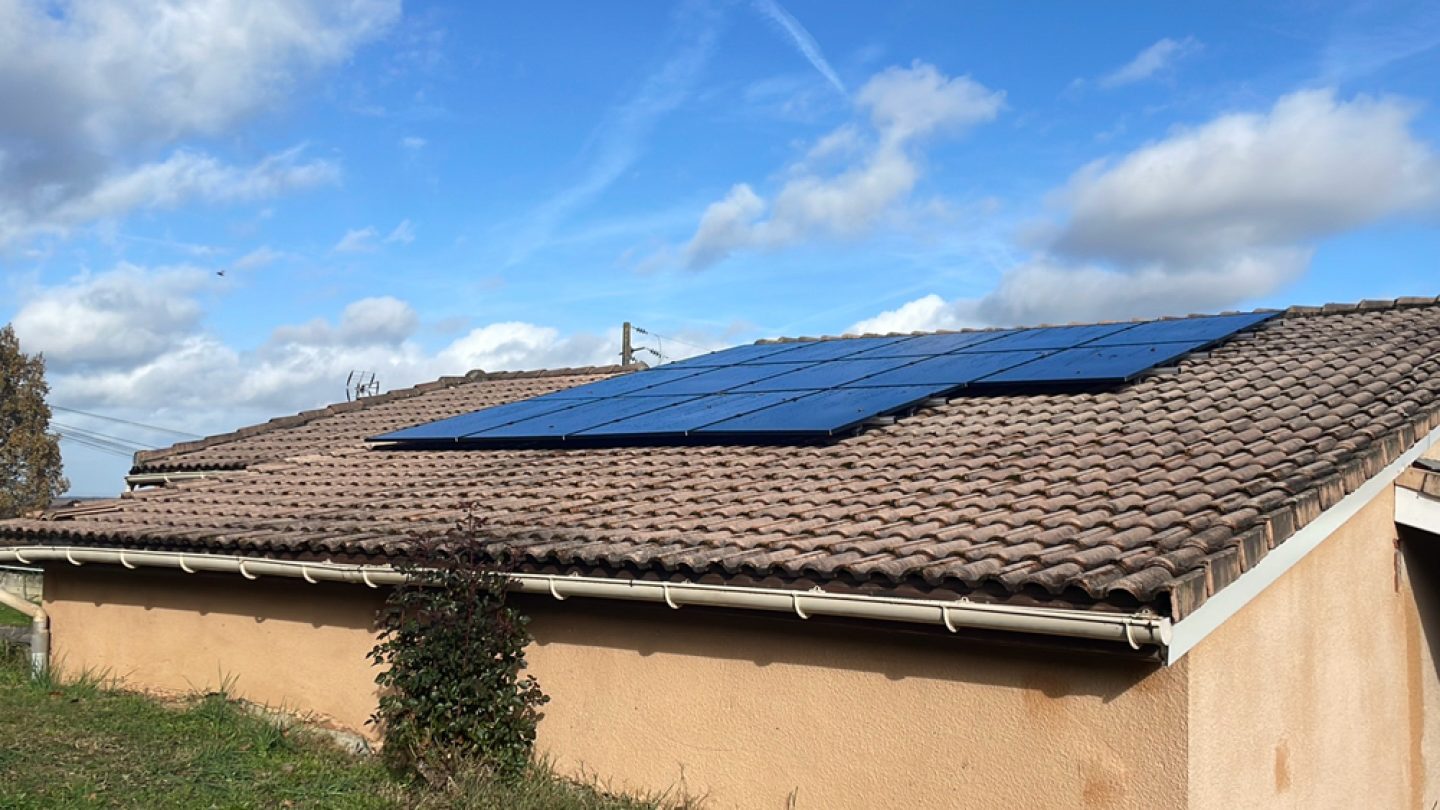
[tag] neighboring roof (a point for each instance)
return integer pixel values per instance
(338, 425)
(1157, 494)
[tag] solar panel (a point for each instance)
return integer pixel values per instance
(739, 354)
(925, 345)
(716, 380)
(456, 427)
(949, 370)
(822, 413)
(688, 417)
(833, 349)
(822, 388)
(1200, 330)
(1090, 364)
(624, 384)
(1052, 337)
(825, 375)
(585, 415)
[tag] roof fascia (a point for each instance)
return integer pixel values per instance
(1216, 610)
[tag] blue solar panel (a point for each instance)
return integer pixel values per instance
(585, 415)
(1199, 330)
(825, 387)
(925, 345)
(1091, 364)
(832, 349)
(624, 384)
(686, 417)
(823, 412)
(715, 380)
(825, 375)
(948, 370)
(456, 427)
(1052, 337)
(738, 354)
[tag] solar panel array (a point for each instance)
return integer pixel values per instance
(822, 388)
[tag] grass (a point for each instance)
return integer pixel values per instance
(10, 617)
(82, 745)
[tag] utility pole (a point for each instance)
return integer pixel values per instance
(627, 353)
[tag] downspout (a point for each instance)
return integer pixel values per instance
(1132, 629)
(39, 630)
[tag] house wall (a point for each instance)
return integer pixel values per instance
(751, 711)
(282, 643)
(1321, 692)
(747, 711)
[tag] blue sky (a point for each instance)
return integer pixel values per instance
(423, 189)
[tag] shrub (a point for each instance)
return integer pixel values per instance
(453, 696)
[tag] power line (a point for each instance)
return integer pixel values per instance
(104, 448)
(671, 339)
(180, 433)
(96, 435)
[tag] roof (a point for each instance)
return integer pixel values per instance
(1157, 494)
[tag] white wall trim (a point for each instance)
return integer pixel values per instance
(1417, 511)
(1193, 629)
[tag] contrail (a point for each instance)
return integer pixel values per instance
(802, 39)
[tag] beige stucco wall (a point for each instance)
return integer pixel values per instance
(279, 643)
(746, 711)
(1314, 694)
(752, 711)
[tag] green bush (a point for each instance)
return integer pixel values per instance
(453, 693)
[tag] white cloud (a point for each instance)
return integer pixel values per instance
(925, 314)
(903, 106)
(183, 177)
(92, 90)
(259, 257)
(801, 38)
(1044, 291)
(357, 240)
(1210, 217)
(413, 142)
(114, 318)
(1157, 58)
(367, 239)
(134, 340)
(404, 233)
(1311, 166)
(516, 344)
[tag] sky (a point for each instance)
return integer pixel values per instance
(211, 213)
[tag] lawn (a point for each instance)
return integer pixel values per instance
(10, 617)
(80, 745)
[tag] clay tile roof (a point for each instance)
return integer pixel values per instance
(1155, 494)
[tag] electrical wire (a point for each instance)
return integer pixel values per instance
(180, 433)
(95, 445)
(96, 436)
(671, 339)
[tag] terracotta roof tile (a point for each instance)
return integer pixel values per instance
(1154, 494)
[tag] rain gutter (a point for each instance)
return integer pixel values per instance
(1135, 630)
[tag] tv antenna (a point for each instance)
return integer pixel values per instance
(361, 384)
